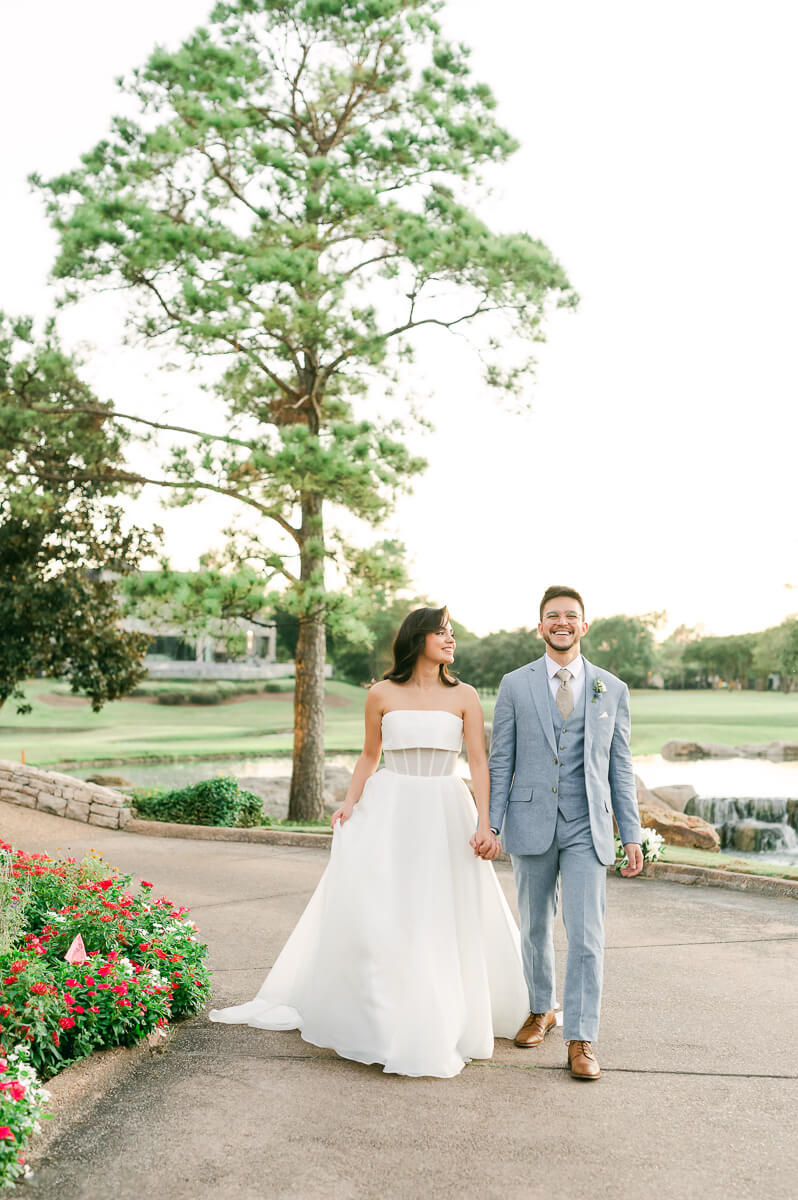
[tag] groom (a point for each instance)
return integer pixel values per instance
(560, 766)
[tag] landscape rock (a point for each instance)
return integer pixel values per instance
(17, 797)
(106, 822)
(678, 751)
(77, 810)
(677, 828)
(676, 795)
(274, 792)
(50, 803)
(681, 751)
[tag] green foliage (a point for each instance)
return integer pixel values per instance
(484, 661)
(145, 964)
(60, 538)
(292, 200)
(218, 801)
(624, 645)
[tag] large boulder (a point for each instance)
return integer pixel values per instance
(677, 828)
(679, 751)
(676, 795)
(274, 791)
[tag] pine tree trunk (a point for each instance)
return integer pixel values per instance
(306, 800)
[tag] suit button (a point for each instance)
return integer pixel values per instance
(556, 763)
(554, 789)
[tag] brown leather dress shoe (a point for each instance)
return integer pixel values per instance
(582, 1061)
(534, 1029)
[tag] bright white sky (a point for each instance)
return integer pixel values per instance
(656, 468)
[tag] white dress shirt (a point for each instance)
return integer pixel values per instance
(577, 669)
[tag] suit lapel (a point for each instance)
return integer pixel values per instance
(539, 686)
(592, 711)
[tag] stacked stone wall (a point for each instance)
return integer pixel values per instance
(62, 795)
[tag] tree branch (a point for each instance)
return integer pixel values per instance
(134, 478)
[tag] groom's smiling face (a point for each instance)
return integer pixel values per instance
(563, 624)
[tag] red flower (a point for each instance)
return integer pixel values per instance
(9, 979)
(105, 883)
(144, 945)
(3, 1065)
(105, 970)
(94, 1008)
(55, 1037)
(145, 884)
(5, 1132)
(66, 1022)
(88, 980)
(19, 965)
(71, 983)
(39, 989)
(78, 1008)
(69, 999)
(123, 1003)
(120, 988)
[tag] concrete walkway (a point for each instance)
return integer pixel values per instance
(698, 1095)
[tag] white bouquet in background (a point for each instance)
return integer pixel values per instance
(653, 846)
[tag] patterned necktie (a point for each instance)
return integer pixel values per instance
(565, 697)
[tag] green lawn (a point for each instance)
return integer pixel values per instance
(63, 728)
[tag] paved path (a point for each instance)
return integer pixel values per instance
(698, 1096)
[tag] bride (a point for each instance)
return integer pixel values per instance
(407, 954)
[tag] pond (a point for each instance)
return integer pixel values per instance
(723, 778)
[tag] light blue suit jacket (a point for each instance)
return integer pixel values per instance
(524, 754)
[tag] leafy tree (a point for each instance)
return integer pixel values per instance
(292, 202)
(726, 659)
(484, 661)
(624, 645)
(775, 652)
(672, 657)
(59, 534)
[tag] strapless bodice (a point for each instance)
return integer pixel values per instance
(421, 741)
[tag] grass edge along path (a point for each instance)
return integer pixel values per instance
(687, 857)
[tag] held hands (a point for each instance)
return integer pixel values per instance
(485, 844)
(342, 814)
(634, 854)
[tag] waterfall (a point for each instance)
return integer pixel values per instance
(750, 823)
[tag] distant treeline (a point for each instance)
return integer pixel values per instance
(625, 645)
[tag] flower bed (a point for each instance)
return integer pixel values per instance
(136, 964)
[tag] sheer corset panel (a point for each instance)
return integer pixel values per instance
(421, 760)
(421, 741)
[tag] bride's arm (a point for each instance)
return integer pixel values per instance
(369, 759)
(484, 841)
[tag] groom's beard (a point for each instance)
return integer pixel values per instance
(562, 643)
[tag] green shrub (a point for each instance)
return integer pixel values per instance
(218, 801)
(278, 685)
(215, 697)
(172, 697)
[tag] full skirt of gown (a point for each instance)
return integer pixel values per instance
(407, 954)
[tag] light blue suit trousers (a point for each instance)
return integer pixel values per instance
(547, 850)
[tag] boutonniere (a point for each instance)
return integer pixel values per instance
(598, 688)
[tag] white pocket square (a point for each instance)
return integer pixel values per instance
(603, 717)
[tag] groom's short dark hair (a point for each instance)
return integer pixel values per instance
(551, 592)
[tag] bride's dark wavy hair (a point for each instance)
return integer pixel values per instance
(409, 642)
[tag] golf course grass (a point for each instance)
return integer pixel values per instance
(63, 729)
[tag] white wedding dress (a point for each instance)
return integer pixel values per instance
(407, 953)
